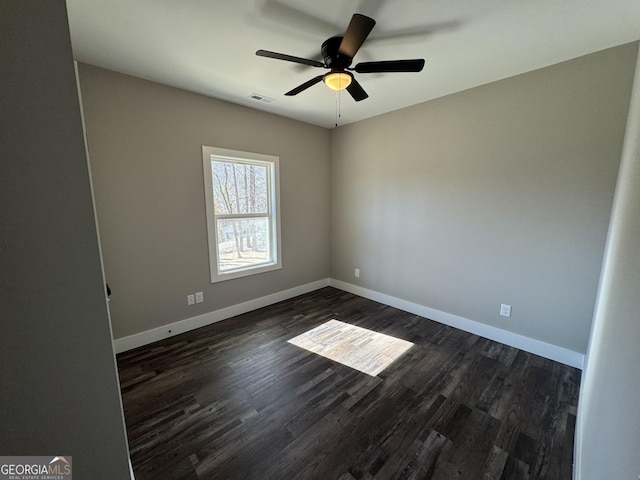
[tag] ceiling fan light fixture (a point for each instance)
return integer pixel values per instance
(337, 80)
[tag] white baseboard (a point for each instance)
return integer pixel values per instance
(149, 336)
(547, 350)
(133, 477)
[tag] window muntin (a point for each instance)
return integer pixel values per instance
(242, 212)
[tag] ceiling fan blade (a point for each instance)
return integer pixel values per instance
(356, 91)
(289, 58)
(415, 65)
(357, 32)
(304, 86)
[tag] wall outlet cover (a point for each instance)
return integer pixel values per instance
(505, 310)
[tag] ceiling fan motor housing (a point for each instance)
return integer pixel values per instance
(332, 57)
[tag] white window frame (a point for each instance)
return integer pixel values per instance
(211, 154)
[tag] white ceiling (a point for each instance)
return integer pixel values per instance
(208, 46)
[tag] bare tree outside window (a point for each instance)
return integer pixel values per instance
(242, 190)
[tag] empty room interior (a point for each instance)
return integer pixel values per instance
(432, 273)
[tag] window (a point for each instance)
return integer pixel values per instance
(241, 191)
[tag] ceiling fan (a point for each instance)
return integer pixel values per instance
(338, 53)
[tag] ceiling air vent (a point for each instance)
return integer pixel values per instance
(261, 98)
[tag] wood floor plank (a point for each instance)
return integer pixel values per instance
(235, 400)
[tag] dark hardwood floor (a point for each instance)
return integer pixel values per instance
(234, 400)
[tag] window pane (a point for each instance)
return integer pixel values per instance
(239, 188)
(243, 243)
(241, 201)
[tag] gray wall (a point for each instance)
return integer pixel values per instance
(499, 194)
(60, 393)
(145, 153)
(608, 427)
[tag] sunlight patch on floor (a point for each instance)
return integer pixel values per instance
(356, 347)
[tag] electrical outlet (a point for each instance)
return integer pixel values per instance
(505, 310)
(199, 297)
(356, 272)
(191, 299)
